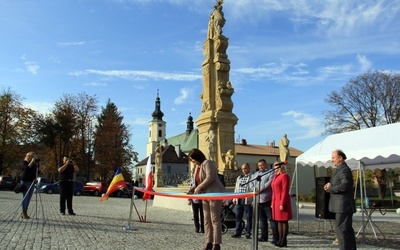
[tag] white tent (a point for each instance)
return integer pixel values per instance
(377, 147)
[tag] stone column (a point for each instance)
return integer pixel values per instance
(216, 122)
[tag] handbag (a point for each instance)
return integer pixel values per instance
(19, 188)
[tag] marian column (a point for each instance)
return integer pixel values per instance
(216, 122)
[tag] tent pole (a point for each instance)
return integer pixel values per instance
(297, 198)
(362, 188)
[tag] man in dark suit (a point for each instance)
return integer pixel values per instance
(342, 201)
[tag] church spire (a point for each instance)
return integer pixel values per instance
(157, 114)
(189, 124)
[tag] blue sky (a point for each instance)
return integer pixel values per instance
(286, 57)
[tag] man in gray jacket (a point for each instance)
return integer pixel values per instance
(341, 201)
(265, 192)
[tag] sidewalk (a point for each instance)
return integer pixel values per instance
(101, 226)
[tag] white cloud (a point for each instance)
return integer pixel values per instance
(66, 44)
(312, 125)
(185, 93)
(95, 84)
(137, 75)
(140, 120)
(32, 67)
(41, 107)
(365, 64)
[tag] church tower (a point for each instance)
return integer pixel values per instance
(157, 128)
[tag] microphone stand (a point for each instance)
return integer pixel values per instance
(256, 202)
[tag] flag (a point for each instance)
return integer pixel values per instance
(149, 179)
(116, 183)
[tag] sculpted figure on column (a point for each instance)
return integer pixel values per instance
(217, 21)
(158, 156)
(284, 148)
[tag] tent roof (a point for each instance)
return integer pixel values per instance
(377, 147)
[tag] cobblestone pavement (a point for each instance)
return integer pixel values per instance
(103, 226)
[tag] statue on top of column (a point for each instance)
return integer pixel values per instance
(284, 149)
(217, 21)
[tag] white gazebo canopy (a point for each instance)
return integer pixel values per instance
(377, 147)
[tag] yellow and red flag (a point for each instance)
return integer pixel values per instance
(117, 182)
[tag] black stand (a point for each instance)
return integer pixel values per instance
(37, 193)
(256, 203)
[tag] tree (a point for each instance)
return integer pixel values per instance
(369, 100)
(16, 130)
(112, 146)
(86, 107)
(67, 131)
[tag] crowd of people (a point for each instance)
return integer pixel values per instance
(272, 185)
(270, 182)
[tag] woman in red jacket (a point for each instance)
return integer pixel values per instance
(281, 205)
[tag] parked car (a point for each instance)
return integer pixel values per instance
(122, 191)
(54, 188)
(7, 182)
(96, 188)
(41, 181)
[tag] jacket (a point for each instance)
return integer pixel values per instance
(341, 191)
(209, 180)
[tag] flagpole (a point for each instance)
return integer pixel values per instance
(130, 216)
(145, 213)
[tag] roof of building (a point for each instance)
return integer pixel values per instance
(168, 155)
(186, 142)
(269, 150)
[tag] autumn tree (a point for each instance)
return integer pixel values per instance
(17, 131)
(67, 129)
(86, 108)
(112, 146)
(369, 100)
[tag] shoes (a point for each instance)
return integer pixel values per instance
(209, 246)
(216, 247)
(284, 244)
(24, 215)
(71, 213)
(248, 236)
(236, 236)
(274, 243)
(61, 212)
(262, 239)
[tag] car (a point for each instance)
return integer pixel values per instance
(122, 191)
(54, 188)
(7, 182)
(41, 181)
(96, 188)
